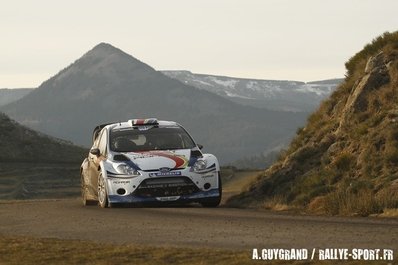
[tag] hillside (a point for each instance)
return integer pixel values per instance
(107, 85)
(20, 144)
(33, 165)
(278, 95)
(345, 160)
(11, 95)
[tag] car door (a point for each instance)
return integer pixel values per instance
(94, 160)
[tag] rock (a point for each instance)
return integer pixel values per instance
(374, 62)
(376, 75)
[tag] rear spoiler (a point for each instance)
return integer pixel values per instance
(97, 130)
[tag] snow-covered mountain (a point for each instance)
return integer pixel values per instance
(272, 94)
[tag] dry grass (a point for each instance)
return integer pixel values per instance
(362, 203)
(389, 213)
(317, 206)
(23, 250)
(277, 203)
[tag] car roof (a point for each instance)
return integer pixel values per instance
(130, 124)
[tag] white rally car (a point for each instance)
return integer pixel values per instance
(148, 161)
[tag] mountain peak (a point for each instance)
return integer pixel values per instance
(103, 50)
(103, 61)
(104, 45)
(107, 48)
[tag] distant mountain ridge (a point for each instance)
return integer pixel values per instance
(107, 85)
(272, 94)
(20, 144)
(281, 95)
(11, 95)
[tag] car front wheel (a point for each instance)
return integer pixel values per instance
(102, 192)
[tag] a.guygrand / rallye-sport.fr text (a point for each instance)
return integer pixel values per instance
(148, 161)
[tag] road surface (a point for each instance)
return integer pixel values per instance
(192, 226)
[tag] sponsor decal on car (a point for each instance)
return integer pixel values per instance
(162, 174)
(179, 160)
(121, 182)
(167, 199)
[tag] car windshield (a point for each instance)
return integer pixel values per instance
(150, 138)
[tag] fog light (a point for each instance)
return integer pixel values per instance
(207, 186)
(121, 191)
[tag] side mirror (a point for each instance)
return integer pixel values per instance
(95, 151)
(200, 146)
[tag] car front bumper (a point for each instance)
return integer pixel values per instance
(194, 197)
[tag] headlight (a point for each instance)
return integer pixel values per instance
(200, 165)
(127, 170)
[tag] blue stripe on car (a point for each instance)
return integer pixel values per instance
(132, 165)
(183, 198)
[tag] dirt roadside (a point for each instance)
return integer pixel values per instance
(192, 226)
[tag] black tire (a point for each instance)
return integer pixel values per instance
(102, 193)
(214, 202)
(84, 191)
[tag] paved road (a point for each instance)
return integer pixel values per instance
(193, 226)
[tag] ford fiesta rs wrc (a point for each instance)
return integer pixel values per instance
(148, 161)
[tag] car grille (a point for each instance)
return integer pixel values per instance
(166, 186)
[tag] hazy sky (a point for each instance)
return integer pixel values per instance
(267, 39)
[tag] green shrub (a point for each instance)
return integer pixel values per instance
(305, 153)
(343, 161)
(392, 157)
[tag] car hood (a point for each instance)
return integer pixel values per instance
(157, 159)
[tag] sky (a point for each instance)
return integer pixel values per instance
(302, 40)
